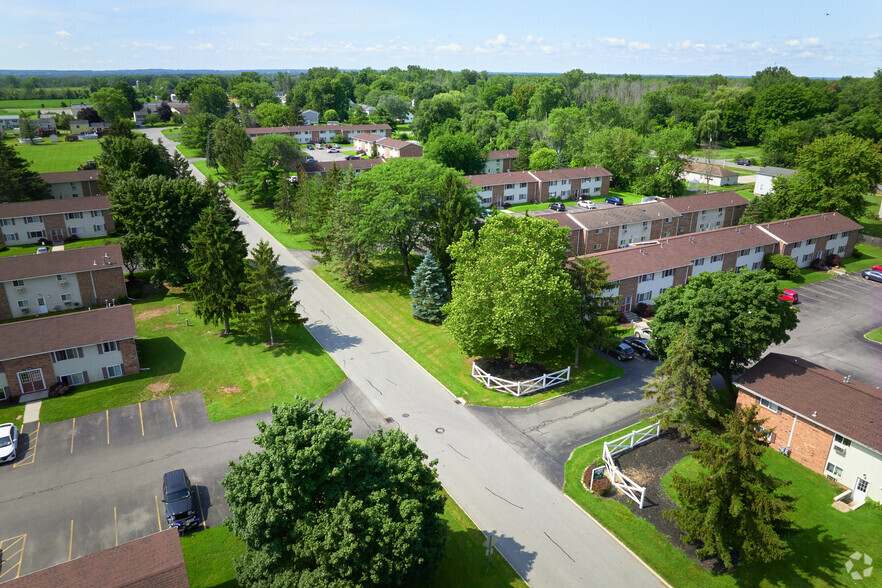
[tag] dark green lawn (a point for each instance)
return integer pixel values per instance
(869, 256)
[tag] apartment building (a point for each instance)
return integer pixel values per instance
(73, 184)
(704, 212)
(23, 223)
(320, 133)
(766, 175)
(63, 280)
(386, 148)
(500, 161)
(806, 238)
(74, 348)
(541, 186)
(321, 168)
(827, 421)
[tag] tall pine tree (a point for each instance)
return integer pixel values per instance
(217, 265)
(429, 292)
(210, 151)
(266, 295)
(458, 208)
(734, 505)
(597, 317)
(283, 210)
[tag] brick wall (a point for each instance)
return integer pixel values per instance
(84, 283)
(687, 223)
(131, 365)
(852, 241)
(810, 444)
(729, 261)
(608, 238)
(54, 221)
(576, 243)
(109, 224)
(732, 215)
(13, 366)
(628, 287)
(5, 311)
(681, 274)
(109, 283)
(604, 185)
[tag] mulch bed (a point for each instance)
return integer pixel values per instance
(645, 464)
(508, 370)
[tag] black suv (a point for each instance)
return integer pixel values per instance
(622, 351)
(180, 506)
(641, 347)
(558, 206)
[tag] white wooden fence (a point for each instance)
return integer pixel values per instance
(629, 487)
(520, 388)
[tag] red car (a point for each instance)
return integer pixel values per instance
(877, 268)
(789, 296)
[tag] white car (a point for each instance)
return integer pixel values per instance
(587, 204)
(8, 442)
(42, 250)
(333, 150)
(643, 332)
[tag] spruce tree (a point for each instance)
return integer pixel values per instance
(17, 181)
(734, 504)
(217, 265)
(429, 292)
(266, 294)
(283, 210)
(210, 155)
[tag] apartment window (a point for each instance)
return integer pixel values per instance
(647, 278)
(844, 441)
(6, 222)
(73, 215)
(843, 235)
(75, 230)
(662, 291)
(564, 182)
(61, 277)
(596, 246)
(701, 227)
(770, 405)
(108, 347)
(36, 234)
(97, 213)
(744, 252)
(18, 283)
(98, 228)
(645, 223)
(833, 469)
(841, 249)
(64, 354)
(811, 241)
(24, 304)
(806, 257)
(509, 186)
(485, 201)
(644, 296)
(598, 231)
(597, 179)
(667, 220)
(716, 258)
(698, 262)
(31, 219)
(624, 227)
(666, 234)
(758, 249)
(740, 269)
(719, 210)
(553, 183)
(756, 265)
(523, 184)
(597, 190)
(114, 371)
(11, 236)
(586, 190)
(667, 273)
(797, 244)
(73, 379)
(520, 197)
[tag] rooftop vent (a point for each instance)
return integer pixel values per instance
(847, 379)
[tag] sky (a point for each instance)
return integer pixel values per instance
(733, 38)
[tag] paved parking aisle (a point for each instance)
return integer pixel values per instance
(11, 549)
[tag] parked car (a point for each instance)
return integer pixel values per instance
(617, 200)
(789, 296)
(873, 275)
(8, 442)
(622, 351)
(353, 157)
(180, 506)
(641, 347)
(42, 250)
(742, 161)
(71, 138)
(643, 332)
(587, 204)
(310, 160)
(310, 147)
(333, 150)
(559, 206)
(877, 268)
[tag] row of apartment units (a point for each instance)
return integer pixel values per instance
(321, 168)
(73, 184)
(320, 133)
(541, 186)
(641, 272)
(74, 348)
(23, 223)
(386, 148)
(604, 229)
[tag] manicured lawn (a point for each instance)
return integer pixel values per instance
(870, 256)
(209, 556)
(875, 335)
(238, 375)
(733, 153)
(172, 131)
(91, 242)
(261, 214)
(628, 197)
(58, 157)
(18, 250)
(37, 103)
(385, 301)
(539, 206)
(871, 223)
(188, 152)
(12, 414)
(823, 541)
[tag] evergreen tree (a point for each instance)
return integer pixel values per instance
(597, 316)
(17, 181)
(210, 155)
(734, 505)
(682, 389)
(458, 208)
(429, 292)
(758, 210)
(266, 294)
(217, 265)
(284, 204)
(350, 241)
(180, 165)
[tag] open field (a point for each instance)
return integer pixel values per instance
(238, 375)
(871, 223)
(58, 157)
(38, 103)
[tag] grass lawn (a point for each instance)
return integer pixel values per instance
(385, 301)
(824, 540)
(12, 414)
(872, 225)
(733, 153)
(58, 157)
(209, 556)
(238, 375)
(262, 214)
(875, 335)
(188, 152)
(172, 131)
(18, 250)
(37, 103)
(869, 256)
(628, 197)
(91, 242)
(743, 190)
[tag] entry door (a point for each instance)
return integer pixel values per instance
(31, 381)
(57, 235)
(860, 490)
(41, 306)
(626, 304)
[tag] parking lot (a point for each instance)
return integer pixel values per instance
(94, 482)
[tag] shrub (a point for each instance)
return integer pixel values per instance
(644, 310)
(833, 260)
(783, 266)
(121, 299)
(58, 389)
(602, 487)
(135, 292)
(340, 139)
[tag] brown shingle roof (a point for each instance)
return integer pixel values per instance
(809, 227)
(707, 201)
(292, 129)
(396, 143)
(483, 180)
(370, 137)
(503, 154)
(21, 267)
(852, 409)
(88, 175)
(41, 335)
(705, 169)
(623, 215)
(40, 207)
(150, 562)
(570, 173)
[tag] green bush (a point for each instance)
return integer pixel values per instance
(341, 139)
(783, 266)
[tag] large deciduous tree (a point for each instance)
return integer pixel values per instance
(458, 209)
(317, 509)
(616, 150)
(732, 318)
(217, 264)
(734, 505)
(543, 158)
(111, 104)
(512, 294)
(458, 151)
(433, 113)
(209, 97)
(270, 158)
(124, 157)
(266, 295)
(17, 181)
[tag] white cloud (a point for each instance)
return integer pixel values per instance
(754, 45)
(62, 33)
(546, 48)
(639, 46)
(262, 44)
(615, 42)
(451, 48)
(792, 43)
(805, 54)
(21, 46)
(499, 40)
(430, 41)
(532, 39)
(191, 32)
(164, 47)
(204, 46)
(115, 9)
(811, 41)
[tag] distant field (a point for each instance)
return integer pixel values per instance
(58, 157)
(38, 103)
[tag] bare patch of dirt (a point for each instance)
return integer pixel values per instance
(151, 314)
(509, 370)
(230, 389)
(159, 388)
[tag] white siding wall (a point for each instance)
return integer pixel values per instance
(763, 185)
(91, 362)
(85, 227)
(859, 460)
(710, 219)
(749, 259)
(49, 288)
(634, 233)
(493, 166)
(21, 229)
